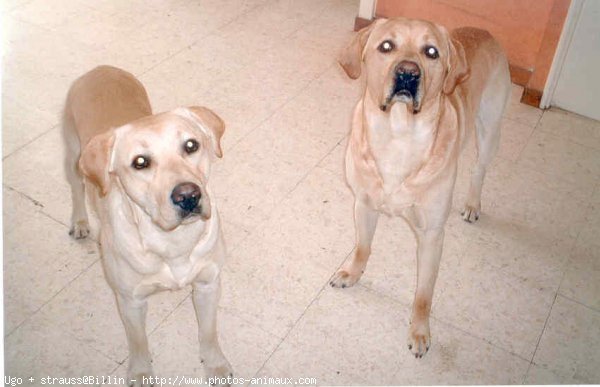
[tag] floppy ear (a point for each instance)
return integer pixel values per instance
(352, 56)
(95, 160)
(206, 118)
(458, 70)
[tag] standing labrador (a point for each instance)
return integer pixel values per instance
(426, 90)
(148, 178)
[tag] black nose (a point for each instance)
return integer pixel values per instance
(408, 67)
(186, 196)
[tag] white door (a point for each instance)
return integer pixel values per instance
(578, 81)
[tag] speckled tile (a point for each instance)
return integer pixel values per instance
(521, 112)
(21, 123)
(581, 281)
(34, 275)
(314, 221)
(495, 306)
(174, 344)
(355, 332)
(541, 375)
(41, 348)
(48, 185)
(96, 320)
(588, 235)
(290, 361)
(513, 139)
(547, 203)
(519, 250)
(569, 345)
(269, 284)
(558, 157)
(459, 358)
(571, 126)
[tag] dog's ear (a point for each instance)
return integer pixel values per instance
(208, 122)
(95, 160)
(352, 56)
(458, 70)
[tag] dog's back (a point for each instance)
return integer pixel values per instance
(102, 98)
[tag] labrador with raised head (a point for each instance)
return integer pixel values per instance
(426, 91)
(147, 176)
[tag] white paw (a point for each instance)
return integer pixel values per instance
(221, 376)
(80, 229)
(344, 279)
(419, 339)
(470, 214)
(140, 379)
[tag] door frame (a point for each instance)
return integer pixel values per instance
(560, 54)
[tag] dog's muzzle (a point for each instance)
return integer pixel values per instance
(187, 197)
(407, 77)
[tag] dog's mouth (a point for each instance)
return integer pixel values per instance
(191, 215)
(405, 89)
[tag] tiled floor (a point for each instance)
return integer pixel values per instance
(518, 299)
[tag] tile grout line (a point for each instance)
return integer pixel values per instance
(301, 316)
(591, 308)
(211, 33)
(85, 270)
(535, 128)
(557, 291)
(20, 147)
(531, 363)
(287, 194)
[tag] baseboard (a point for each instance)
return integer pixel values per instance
(360, 23)
(531, 97)
(519, 75)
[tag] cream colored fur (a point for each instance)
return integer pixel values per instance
(401, 158)
(147, 246)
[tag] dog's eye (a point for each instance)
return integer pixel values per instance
(140, 162)
(191, 146)
(431, 52)
(386, 46)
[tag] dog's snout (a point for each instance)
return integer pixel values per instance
(408, 67)
(186, 196)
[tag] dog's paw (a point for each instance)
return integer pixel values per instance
(80, 229)
(220, 376)
(419, 340)
(142, 379)
(344, 279)
(470, 214)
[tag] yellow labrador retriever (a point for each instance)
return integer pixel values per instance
(426, 90)
(147, 176)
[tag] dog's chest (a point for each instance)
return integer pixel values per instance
(399, 147)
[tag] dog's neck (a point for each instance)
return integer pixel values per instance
(400, 140)
(148, 245)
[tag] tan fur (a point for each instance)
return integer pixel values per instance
(402, 156)
(147, 244)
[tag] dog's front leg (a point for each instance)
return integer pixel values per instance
(365, 223)
(133, 314)
(206, 299)
(429, 251)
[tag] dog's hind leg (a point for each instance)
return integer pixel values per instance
(365, 222)
(79, 219)
(487, 124)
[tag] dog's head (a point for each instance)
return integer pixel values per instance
(406, 61)
(161, 162)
